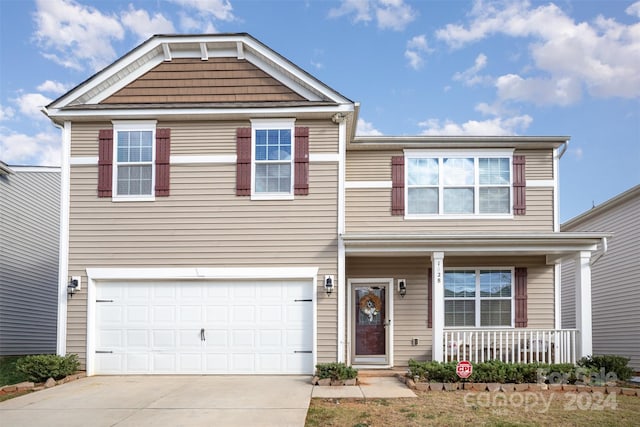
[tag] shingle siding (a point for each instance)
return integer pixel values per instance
(29, 233)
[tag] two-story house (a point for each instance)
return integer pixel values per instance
(221, 216)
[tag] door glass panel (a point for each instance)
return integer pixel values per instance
(370, 318)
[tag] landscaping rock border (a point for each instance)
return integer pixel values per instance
(329, 382)
(30, 386)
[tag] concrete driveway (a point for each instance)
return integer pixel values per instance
(165, 401)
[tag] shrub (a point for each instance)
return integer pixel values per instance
(41, 367)
(608, 363)
(433, 371)
(335, 371)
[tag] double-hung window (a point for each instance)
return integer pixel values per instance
(133, 176)
(273, 154)
(480, 297)
(458, 184)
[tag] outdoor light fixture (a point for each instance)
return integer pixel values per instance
(402, 287)
(328, 284)
(73, 286)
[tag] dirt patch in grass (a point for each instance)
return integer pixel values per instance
(488, 409)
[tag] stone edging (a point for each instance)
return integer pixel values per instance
(329, 382)
(510, 387)
(30, 386)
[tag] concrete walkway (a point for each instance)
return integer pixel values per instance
(164, 401)
(369, 388)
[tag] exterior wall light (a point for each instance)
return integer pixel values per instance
(328, 284)
(73, 286)
(402, 287)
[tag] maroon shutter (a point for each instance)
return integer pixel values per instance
(301, 166)
(397, 185)
(163, 152)
(430, 298)
(519, 186)
(521, 297)
(243, 162)
(105, 162)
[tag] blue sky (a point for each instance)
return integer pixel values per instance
(417, 67)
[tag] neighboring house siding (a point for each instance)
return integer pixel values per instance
(29, 226)
(410, 313)
(615, 280)
(203, 222)
(193, 80)
(370, 208)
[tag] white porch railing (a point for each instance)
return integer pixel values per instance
(511, 345)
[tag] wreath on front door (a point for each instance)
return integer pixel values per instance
(370, 305)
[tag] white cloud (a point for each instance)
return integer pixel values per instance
(144, 26)
(53, 87)
(42, 149)
(217, 9)
(492, 127)
(634, 9)
(416, 47)
(75, 35)
(576, 153)
(30, 104)
(365, 128)
(389, 14)
(600, 56)
(470, 76)
(560, 91)
(6, 113)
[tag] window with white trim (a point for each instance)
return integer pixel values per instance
(480, 297)
(272, 159)
(458, 184)
(134, 159)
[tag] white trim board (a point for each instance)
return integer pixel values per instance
(202, 159)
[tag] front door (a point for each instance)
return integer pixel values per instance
(371, 321)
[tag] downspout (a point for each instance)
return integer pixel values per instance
(601, 254)
(565, 146)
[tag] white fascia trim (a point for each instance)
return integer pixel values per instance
(205, 273)
(342, 289)
(324, 157)
(63, 262)
(213, 159)
(162, 112)
(459, 152)
(84, 161)
(38, 169)
(368, 184)
(541, 183)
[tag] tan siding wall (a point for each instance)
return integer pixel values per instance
(410, 313)
(370, 209)
(203, 223)
(194, 80)
(539, 164)
(615, 283)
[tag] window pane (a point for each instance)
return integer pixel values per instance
(494, 200)
(495, 313)
(494, 171)
(495, 283)
(135, 146)
(423, 171)
(273, 178)
(458, 200)
(134, 180)
(423, 200)
(458, 171)
(459, 284)
(459, 313)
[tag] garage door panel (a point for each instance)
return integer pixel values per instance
(249, 327)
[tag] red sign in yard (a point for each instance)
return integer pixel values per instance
(464, 369)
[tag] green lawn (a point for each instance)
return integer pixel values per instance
(8, 373)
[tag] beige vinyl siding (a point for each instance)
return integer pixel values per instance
(410, 313)
(203, 223)
(369, 210)
(539, 164)
(615, 282)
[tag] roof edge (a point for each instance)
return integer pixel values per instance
(602, 207)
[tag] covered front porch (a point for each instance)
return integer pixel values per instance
(535, 336)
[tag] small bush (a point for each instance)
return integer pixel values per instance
(609, 363)
(433, 371)
(335, 371)
(40, 367)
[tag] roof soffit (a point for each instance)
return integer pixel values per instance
(162, 48)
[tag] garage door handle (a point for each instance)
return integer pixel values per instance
(202, 337)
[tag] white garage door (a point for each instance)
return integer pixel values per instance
(240, 327)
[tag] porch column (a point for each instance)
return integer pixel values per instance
(583, 304)
(437, 305)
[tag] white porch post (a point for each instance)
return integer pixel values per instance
(583, 304)
(437, 305)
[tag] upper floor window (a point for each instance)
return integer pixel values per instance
(458, 184)
(273, 154)
(478, 298)
(134, 159)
